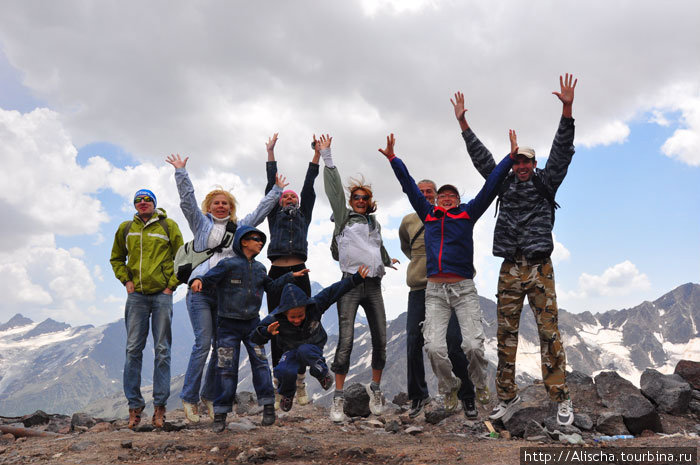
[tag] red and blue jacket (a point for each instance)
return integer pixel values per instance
(449, 245)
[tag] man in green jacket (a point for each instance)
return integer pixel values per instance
(142, 259)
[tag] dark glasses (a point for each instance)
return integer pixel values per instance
(254, 238)
(360, 197)
(142, 198)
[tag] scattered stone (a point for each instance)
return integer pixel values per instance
(7, 439)
(144, 428)
(81, 446)
(694, 406)
(611, 424)
(35, 419)
(469, 424)
(414, 430)
(583, 421)
(392, 426)
(127, 444)
(400, 399)
(256, 454)
(214, 449)
(647, 434)
(356, 401)
(375, 423)
(696, 394)
(517, 422)
(241, 426)
(671, 393)
(406, 420)
(436, 416)
(122, 457)
(574, 438)
(102, 426)
(689, 371)
(534, 430)
(551, 424)
(82, 419)
(174, 426)
(505, 434)
(619, 394)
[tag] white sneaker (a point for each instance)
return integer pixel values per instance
(376, 400)
(302, 396)
(565, 413)
(503, 407)
(210, 408)
(190, 412)
(337, 414)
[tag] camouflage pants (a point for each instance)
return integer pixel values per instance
(536, 280)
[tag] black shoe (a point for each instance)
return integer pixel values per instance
(219, 422)
(469, 408)
(417, 406)
(269, 414)
(286, 403)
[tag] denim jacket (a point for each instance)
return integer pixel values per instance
(240, 282)
(201, 224)
(289, 226)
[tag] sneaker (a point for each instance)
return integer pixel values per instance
(286, 403)
(483, 395)
(469, 408)
(302, 396)
(503, 407)
(278, 399)
(158, 419)
(210, 408)
(337, 414)
(326, 381)
(191, 412)
(417, 406)
(219, 422)
(451, 399)
(268, 417)
(135, 417)
(376, 400)
(565, 413)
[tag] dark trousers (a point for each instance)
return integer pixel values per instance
(230, 334)
(417, 387)
(273, 300)
(295, 360)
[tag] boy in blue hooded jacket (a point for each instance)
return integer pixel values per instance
(240, 281)
(297, 324)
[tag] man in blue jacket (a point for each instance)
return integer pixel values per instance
(449, 261)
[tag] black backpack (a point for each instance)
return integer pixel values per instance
(543, 190)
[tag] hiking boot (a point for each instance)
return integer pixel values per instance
(451, 399)
(376, 400)
(268, 418)
(158, 419)
(417, 406)
(326, 381)
(191, 412)
(210, 408)
(219, 422)
(286, 403)
(504, 407)
(302, 396)
(565, 413)
(469, 408)
(135, 417)
(483, 395)
(337, 414)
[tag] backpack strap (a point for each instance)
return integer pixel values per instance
(415, 236)
(227, 240)
(126, 230)
(505, 185)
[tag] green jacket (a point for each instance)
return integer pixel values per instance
(146, 256)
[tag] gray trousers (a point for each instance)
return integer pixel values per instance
(440, 300)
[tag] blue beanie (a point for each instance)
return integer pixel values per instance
(148, 193)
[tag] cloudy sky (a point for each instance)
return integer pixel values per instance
(93, 96)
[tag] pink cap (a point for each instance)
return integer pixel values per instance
(287, 192)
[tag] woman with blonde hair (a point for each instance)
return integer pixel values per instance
(208, 225)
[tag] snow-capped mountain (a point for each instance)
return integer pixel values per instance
(57, 368)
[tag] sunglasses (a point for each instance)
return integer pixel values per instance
(142, 198)
(448, 196)
(360, 197)
(254, 238)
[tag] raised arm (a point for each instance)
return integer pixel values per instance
(271, 165)
(308, 194)
(333, 184)
(563, 146)
(266, 205)
(188, 202)
(481, 157)
(460, 110)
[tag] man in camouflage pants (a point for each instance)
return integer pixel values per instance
(523, 238)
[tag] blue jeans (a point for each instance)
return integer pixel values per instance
(140, 308)
(201, 307)
(417, 387)
(291, 361)
(230, 334)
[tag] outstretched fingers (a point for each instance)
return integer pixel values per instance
(281, 181)
(389, 150)
(176, 161)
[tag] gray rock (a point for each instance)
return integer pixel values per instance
(82, 419)
(534, 430)
(671, 393)
(694, 406)
(400, 399)
(689, 371)
(81, 446)
(611, 423)
(356, 402)
(436, 416)
(35, 419)
(392, 426)
(579, 377)
(241, 426)
(696, 394)
(127, 445)
(518, 421)
(583, 421)
(551, 424)
(619, 394)
(414, 430)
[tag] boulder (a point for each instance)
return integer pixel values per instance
(671, 393)
(583, 421)
(689, 371)
(579, 378)
(356, 402)
(82, 420)
(518, 421)
(620, 395)
(437, 415)
(35, 419)
(611, 423)
(694, 406)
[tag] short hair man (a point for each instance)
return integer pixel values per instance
(523, 238)
(412, 238)
(142, 259)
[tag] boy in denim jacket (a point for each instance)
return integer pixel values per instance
(240, 282)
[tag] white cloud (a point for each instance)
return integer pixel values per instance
(614, 132)
(618, 280)
(560, 252)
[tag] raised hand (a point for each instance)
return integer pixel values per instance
(458, 105)
(325, 141)
(281, 181)
(363, 271)
(513, 142)
(317, 150)
(300, 273)
(388, 152)
(176, 161)
(567, 85)
(274, 328)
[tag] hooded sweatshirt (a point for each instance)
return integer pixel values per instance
(240, 282)
(310, 331)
